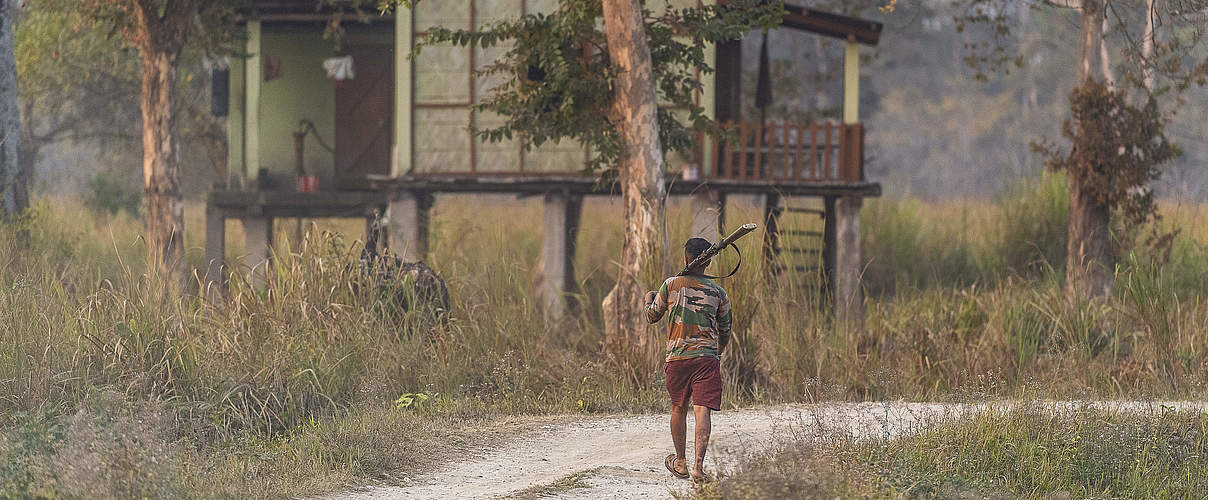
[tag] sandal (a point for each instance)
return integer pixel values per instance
(670, 463)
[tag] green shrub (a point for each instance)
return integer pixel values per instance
(110, 192)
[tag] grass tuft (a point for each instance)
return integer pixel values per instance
(1025, 452)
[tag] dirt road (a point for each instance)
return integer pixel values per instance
(622, 457)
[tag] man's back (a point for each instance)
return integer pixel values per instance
(700, 318)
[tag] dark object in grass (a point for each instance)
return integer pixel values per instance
(399, 287)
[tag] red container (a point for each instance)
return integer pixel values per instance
(308, 183)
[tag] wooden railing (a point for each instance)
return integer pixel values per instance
(818, 152)
(773, 153)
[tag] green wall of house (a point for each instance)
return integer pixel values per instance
(434, 93)
(303, 92)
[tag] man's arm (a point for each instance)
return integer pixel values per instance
(725, 323)
(655, 309)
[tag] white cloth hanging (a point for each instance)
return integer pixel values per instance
(339, 68)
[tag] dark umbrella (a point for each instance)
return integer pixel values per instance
(763, 89)
(763, 92)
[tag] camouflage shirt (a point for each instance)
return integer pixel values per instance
(700, 316)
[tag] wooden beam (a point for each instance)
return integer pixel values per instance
(319, 18)
(252, 110)
(537, 184)
(308, 11)
(832, 25)
(828, 24)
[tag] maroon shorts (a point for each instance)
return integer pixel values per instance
(699, 378)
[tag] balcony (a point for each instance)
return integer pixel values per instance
(788, 153)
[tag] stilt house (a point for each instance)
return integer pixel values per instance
(320, 131)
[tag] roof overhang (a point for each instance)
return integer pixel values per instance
(848, 28)
(833, 25)
(799, 18)
(305, 10)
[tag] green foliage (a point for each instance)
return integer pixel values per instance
(26, 438)
(111, 193)
(412, 400)
(76, 83)
(557, 80)
(166, 25)
(80, 86)
(1035, 453)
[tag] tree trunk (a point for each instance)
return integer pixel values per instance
(14, 194)
(641, 175)
(1090, 263)
(1147, 63)
(161, 166)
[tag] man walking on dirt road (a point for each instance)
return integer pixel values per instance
(698, 330)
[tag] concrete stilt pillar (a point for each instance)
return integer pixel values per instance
(706, 214)
(849, 294)
(258, 234)
(828, 246)
(215, 249)
(557, 263)
(773, 206)
(407, 222)
(722, 202)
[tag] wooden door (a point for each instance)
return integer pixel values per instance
(365, 116)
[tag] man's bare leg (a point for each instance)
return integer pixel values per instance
(703, 427)
(679, 431)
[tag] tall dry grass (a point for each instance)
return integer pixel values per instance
(964, 301)
(1023, 452)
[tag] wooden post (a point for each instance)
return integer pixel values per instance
(706, 214)
(849, 297)
(258, 234)
(773, 206)
(557, 262)
(215, 249)
(407, 223)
